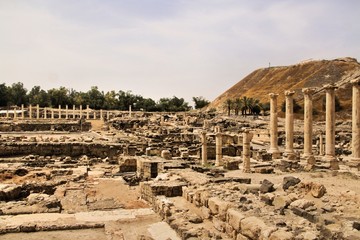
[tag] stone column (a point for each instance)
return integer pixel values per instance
(330, 127)
(52, 113)
(308, 122)
(94, 116)
(218, 142)
(274, 149)
(289, 125)
(355, 160)
(30, 111)
(80, 114)
(15, 114)
(74, 116)
(129, 110)
(101, 114)
(107, 115)
(247, 136)
(321, 144)
(22, 111)
(204, 159)
(37, 111)
(66, 112)
(87, 112)
(7, 113)
(59, 112)
(45, 113)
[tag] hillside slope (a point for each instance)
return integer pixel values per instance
(261, 82)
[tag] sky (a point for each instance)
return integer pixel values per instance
(165, 48)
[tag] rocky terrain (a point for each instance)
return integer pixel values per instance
(313, 73)
(149, 176)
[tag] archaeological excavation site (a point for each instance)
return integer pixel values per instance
(73, 172)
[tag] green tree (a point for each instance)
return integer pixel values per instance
(200, 102)
(39, 96)
(110, 100)
(58, 96)
(173, 104)
(228, 105)
(4, 95)
(237, 105)
(95, 98)
(17, 94)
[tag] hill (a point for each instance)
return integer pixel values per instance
(261, 82)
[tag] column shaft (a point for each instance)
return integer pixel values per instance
(204, 159)
(356, 122)
(289, 124)
(330, 127)
(218, 142)
(274, 149)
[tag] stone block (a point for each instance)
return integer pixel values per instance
(251, 227)
(234, 218)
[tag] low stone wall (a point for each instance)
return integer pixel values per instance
(72, 149)
(44, 125)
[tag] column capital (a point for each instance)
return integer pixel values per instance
(330, 86)
(289, 93)
(273, 95)
(308, 91)
(355, 82)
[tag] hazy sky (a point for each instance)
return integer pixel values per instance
(162, 48)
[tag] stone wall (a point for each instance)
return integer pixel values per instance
(72, 149)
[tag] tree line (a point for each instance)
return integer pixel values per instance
(245, 106)
(17, 94)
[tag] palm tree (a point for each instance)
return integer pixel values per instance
(237, 105)
(228, 105)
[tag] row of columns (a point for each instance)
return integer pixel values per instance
(308, 121)
(52, 111)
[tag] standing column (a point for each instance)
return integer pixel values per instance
(66, 111)
(218, 142)
(45, 113)
(101, 114)
(107, 115)
(37, 111)
(308, 121)
(80, 114)
(22, 111)
(247, 136)
(74, 116)
(87, 112)
(274, 149)
(15, 113)
(52, 113)
(129, 110)
(59, 112)
(321, 143)
(289, 125)
(204, 160)
(30, 111)
(94, 114)
(355, 160)
(7, 113)
(330, 127)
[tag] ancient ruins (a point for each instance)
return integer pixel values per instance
(96, 174)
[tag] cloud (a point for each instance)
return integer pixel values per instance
(163, 48)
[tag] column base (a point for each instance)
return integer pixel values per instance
(276, 154)
(354, 163)
(289, 156)
(332, 161)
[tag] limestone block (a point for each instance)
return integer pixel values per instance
(251, 227)
(234, 218)
(281, 235)
(302, 203)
